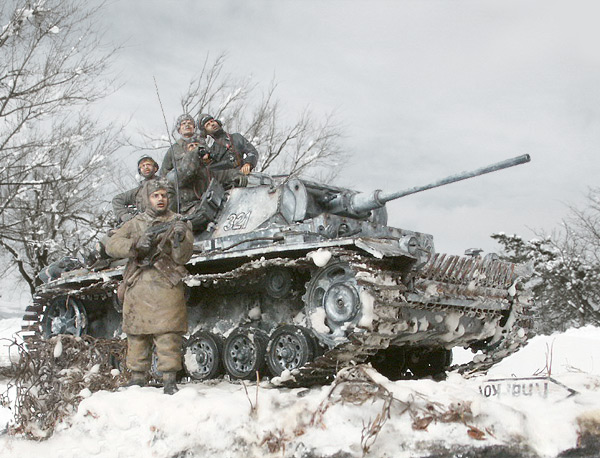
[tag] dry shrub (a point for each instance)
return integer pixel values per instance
(53, 376)
(354, 385)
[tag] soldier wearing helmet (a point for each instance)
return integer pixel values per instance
(127, 204)
(234, 148)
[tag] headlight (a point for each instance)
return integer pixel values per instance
(409, 243)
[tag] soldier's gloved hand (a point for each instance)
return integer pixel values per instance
(179, 230)
(144, 244)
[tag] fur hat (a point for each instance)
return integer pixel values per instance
(156, 184)
(181, 118)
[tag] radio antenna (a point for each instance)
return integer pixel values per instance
(171, 146)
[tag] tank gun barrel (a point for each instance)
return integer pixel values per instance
(361, 203)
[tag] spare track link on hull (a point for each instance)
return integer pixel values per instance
(452, 271)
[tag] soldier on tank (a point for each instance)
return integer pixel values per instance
(158, 245)
(127, 204)
(234, 148)
(192, 176)
(185, 127)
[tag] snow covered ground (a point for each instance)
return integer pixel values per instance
(426, 418)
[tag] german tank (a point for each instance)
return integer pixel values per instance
(298, 279)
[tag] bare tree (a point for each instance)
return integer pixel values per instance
(298, 147)
(53, 64)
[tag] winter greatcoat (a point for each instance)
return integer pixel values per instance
(177, 157)
(152, 305)
(191, 179)
(129, 203)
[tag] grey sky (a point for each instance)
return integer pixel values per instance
(424, 88)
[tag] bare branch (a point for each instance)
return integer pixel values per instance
(301, 146)
(54, 157)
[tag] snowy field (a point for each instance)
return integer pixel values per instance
(536, 416)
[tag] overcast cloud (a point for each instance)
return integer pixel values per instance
(424, 88)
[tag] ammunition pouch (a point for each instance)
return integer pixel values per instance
(129, 274)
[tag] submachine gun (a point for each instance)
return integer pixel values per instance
(200, 215)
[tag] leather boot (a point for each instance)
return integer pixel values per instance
(137, 379)
(169, 383)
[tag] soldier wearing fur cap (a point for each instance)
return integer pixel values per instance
(185, 127)
(192, 176)
(158, 245)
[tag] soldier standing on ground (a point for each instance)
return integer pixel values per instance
(227, 147)
(127, 204)
(154, 308)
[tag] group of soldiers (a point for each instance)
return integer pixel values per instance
(190, 164)
(158, 242)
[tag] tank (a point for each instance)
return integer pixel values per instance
(296, 279)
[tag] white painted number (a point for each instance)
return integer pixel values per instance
(237, 221)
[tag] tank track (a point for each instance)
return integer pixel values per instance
(34, 313)
(456, 277)
(460, 276)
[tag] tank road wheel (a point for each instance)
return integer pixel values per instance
(64, 315)
(278, 282)
(244, 353)
(290, 347)
(202, 355)
(334, 291)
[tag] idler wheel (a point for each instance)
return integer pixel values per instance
(64, 315)
(244, 353)
(290, 347)
(202, 355)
